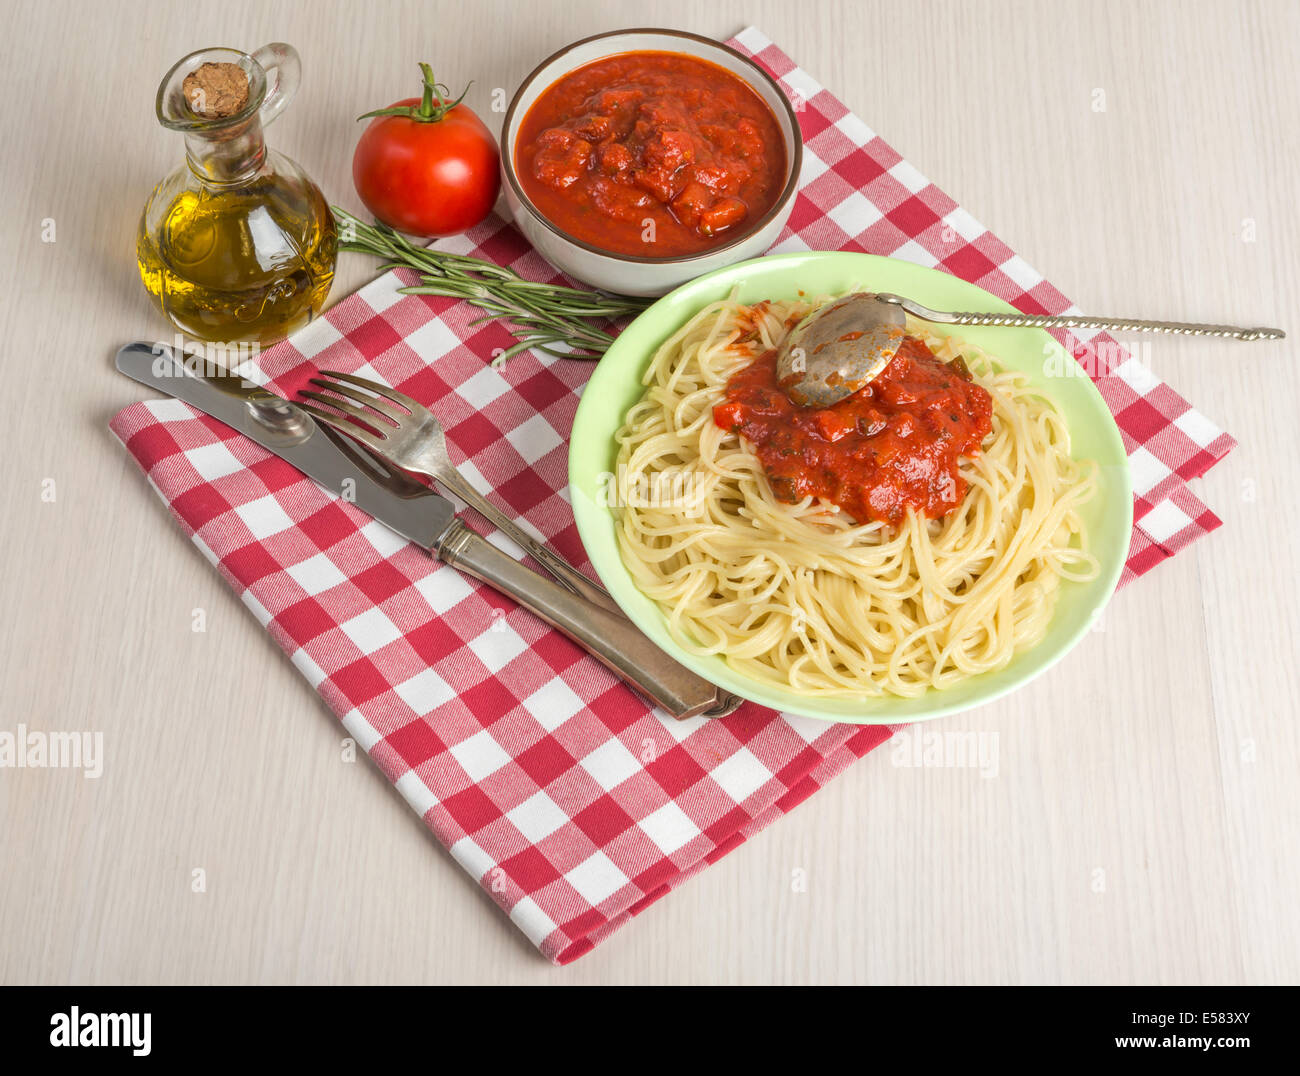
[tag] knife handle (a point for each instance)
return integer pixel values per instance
(453, 481)
(608, 636)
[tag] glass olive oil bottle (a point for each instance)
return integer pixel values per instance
(238, 244)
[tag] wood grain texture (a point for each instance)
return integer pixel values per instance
(1144, 822)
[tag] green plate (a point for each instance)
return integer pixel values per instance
(616, 384)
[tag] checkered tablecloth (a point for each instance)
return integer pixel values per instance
(573, 804)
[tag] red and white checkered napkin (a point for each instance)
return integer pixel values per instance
(549, 781)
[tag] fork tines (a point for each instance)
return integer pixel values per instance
(366, 426)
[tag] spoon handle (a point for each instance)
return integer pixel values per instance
(1079, 321)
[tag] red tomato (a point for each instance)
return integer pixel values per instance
(427, 168)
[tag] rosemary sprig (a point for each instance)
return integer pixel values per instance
(541, 316)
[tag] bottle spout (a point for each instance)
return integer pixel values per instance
(176, 110)
(203, 98)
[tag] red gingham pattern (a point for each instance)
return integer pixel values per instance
(572, 803)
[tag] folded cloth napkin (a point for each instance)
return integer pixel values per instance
(567, 798)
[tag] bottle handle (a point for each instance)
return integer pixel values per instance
(283, 73)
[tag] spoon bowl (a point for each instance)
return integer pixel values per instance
(836, 350)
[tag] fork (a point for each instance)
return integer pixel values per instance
(414, 441)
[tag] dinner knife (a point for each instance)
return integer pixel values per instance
(425, 517)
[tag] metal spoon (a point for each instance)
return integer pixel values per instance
(835, 351)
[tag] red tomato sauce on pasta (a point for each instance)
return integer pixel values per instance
(647, 138)
(891, 446)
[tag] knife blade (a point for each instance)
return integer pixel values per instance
(286, 430)
(425, 517)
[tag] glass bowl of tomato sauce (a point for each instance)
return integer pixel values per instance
(637, 160)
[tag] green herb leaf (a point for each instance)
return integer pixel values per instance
(538, 315)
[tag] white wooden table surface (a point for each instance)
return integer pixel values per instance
(1143, 824)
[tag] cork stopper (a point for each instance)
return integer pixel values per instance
(215, 91)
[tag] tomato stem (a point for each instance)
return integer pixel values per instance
(430, 91)
(426, 111)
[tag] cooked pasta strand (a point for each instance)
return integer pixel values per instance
(802, 596)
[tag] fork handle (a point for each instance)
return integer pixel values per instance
(564, 572)
(1079, 321)
(610, 637)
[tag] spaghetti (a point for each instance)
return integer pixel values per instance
(802, 595)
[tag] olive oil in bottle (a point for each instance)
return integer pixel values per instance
(237, 245)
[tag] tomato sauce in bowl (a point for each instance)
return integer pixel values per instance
(651, 154)
(892, 446)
